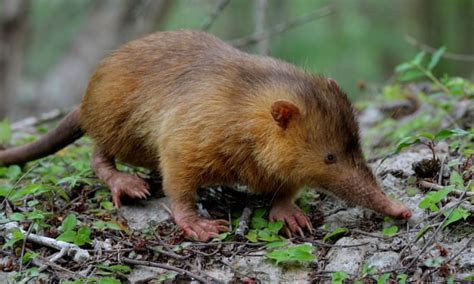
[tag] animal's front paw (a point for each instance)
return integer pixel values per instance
(295, 220)
(201, 229)
(122, 184)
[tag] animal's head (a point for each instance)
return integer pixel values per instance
(317, 135)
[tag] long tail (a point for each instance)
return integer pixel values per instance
(68, 131)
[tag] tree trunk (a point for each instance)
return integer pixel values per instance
(13, 17)
(109, 24)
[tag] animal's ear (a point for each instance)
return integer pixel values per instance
(283, 112)
(333, 85)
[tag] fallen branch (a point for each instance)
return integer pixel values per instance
(207, 24)
(167, 267)
(34, 121)
(429, 185)
(448, 55)
(77, 254)
(282, 27)
(243, 226)
(435, 233)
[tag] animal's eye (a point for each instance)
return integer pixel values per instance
(330, 159)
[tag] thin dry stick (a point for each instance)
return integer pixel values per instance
(166, 267)
(429, 242)
(282, 27)
(429, 185)
(448, 55)
(207, 24)
(244, 221)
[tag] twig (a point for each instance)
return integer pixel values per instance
(207, 24)
(243, 224)
(78, 254)
(282, 27)
(448, 55)
(429, 242)
(23, 246)
(323, 244)
(260, 25)
(429, 185)
(33, 121)
(166, 267)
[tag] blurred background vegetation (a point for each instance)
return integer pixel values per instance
(49, 48)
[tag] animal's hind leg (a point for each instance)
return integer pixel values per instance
(119, 183)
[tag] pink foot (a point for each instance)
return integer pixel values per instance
(200, 229)
(295, 220)
(124, 184)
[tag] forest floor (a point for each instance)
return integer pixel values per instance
(58, 223)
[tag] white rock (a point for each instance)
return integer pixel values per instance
(144, 213)
(384, 260)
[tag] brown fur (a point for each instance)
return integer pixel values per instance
(201, 112)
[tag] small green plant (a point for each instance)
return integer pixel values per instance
(338, 277)
(416, 69)
(296, 253)
(5, 132)
(262, 230)
(70, 235)
(336, 234)
(390, 231)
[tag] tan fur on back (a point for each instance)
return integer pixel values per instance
(190, 105)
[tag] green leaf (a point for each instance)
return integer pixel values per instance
(300, 253)
(258, 223)
(469, 277)
(427, 135)
(433, 197)
(447, 133)
(338, 277)
(275, 227)
(120, 268)
(273, 245)
(383, 278)
(268, 236)
(411, 191)
(390, 231)
(456, 180)
(107, 205)
(434, 262)
(252, 236)
(12, 173)
(17, 216)
(16, 235)
(29, 255)
(368, 270)
(5, 132)
(82, 236)
(402, 278)
(411, 75)
(436, 57)
(68, 236)
(109, 280)
(337, 232)
(404, 67)
(405, 142)
(419, 58)
(456, 215)
(69, 223)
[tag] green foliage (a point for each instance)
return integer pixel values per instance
(402, 278)
(367, 270)
(338, 277)
(297, 253)
(337, 233)
(70, 235)
(382, 279)
(390, 231)
(432, 198)
(5, 132)
(262, 230)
